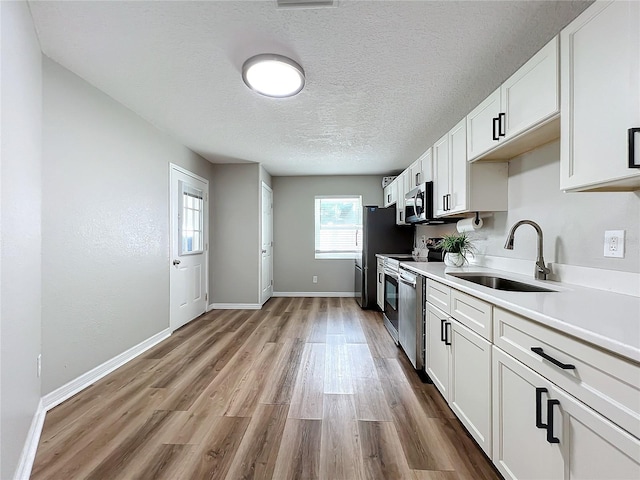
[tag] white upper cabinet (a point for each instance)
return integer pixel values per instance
(600, 86)
(461, 187)
(402, 184)
(421, 170)
(391, 193)
(521, 114)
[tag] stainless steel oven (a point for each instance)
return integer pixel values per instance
(390, 313)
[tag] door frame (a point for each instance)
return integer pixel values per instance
(263, 185)
(172, 225)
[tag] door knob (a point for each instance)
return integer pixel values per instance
(176, 262)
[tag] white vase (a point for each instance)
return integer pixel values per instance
(453, 259)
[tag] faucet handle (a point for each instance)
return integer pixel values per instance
(541, 271)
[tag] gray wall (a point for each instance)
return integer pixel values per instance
(20, 290)
(235, 234)
(293, 230)
(573, 223)
(105, 227)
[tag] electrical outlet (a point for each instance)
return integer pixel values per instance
(614, 243)
(315, 279)
(39, 365)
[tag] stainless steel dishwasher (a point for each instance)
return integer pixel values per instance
(411, 318)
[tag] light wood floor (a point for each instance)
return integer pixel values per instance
(304, 388)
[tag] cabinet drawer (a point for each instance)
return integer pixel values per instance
(605, 382)
(472, 313)
(439, 295)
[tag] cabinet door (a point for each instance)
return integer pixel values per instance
(520, 448)
(530, 96)
(390, 194)
(380, 285)
(482, 130)
(593, 446)
(600, 98)
(415, 173)
(441, 174)
(470, 392)
(438, 352)
(458, 168)
(400, 191)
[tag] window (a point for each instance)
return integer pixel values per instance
(191, 219)
(338, 222)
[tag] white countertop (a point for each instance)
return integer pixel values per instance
(608, 320)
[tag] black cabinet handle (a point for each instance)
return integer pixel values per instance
(539, 392)
(496, 122)
(380, 278)
(443, 335)
(632, 148)
(503, 127)
(447, 340)
(564, 366)
(417, 179)
(550, 437)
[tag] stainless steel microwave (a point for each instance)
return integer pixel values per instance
(418, 205)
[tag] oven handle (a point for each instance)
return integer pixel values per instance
(406, 282)
(391, 273)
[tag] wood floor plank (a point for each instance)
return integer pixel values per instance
(253, 383)
(337, 369)
(258, 451)
(371, 404)
(308, 394)
(283, 378)
(340, 455)
(381, 451)
(166, 462)
(245, 394)
(299, 454)
(217, 451)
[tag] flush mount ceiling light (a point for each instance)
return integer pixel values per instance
(273, 75)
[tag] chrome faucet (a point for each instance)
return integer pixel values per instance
(541, 270)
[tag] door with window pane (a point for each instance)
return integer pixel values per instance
(189, 245)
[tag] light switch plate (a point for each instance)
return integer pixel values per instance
(614, 243)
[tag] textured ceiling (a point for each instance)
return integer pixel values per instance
(385, 79)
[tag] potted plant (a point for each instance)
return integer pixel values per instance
(457, 246)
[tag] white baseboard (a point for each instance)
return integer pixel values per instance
(314, 294)
(235, 306)
(209, 308)
(28, 455)
(23, 472)
(66, 391)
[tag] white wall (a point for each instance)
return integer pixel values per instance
(294, 243)
(21, 133)
(573, 223)
(105, 228)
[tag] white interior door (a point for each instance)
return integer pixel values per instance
(189, 246)
(266, 284)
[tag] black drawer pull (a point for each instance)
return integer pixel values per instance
(550, 437)
(633, 163)
(539, 392)
(503, 126)
(447, 340)
(496, 127)
(564, 366)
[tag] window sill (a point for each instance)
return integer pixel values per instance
(337, 256)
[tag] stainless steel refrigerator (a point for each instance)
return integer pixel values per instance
(380, 234)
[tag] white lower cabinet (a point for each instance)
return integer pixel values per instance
(437, 349)
(470, 383)
(459, 364)
(380, 284)
(541, 432)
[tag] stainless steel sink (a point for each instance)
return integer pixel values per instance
(500, 283)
